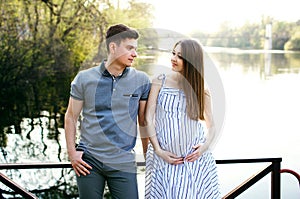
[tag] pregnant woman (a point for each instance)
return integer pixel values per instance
(180, 126)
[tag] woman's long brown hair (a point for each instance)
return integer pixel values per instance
(193, 81)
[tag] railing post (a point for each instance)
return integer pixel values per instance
(275, 180)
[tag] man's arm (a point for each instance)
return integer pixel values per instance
(142, 125)
(71, 118)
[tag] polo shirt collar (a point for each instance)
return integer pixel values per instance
(105, 72)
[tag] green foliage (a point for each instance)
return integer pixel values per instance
(43, 45)
(294, 41)
(285, 35)
(132, 13)
(281, 34)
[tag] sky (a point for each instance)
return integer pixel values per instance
(185, 16)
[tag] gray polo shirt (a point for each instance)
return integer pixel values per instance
(109, 115)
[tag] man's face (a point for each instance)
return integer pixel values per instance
(125, 53)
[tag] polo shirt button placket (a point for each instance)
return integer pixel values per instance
(114, 83)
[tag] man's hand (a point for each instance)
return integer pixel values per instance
(79, 166)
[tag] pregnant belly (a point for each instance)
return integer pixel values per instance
(179, 145)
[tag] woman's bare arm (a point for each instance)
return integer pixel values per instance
(150, 124)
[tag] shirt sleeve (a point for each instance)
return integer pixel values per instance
(146, 89)
(77, 88)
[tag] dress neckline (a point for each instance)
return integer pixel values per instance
(164, 78)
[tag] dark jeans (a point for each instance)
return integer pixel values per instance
(121, 184)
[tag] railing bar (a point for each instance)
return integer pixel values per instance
(248, 183)
(43, 165)
(35, 165)
(17, 188)
(294, 173)
(231, 161)
(68, 165)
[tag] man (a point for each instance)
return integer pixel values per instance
(110, 97)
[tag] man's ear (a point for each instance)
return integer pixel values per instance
(112, 47)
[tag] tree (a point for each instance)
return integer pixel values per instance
(294, 42)
(43, 45)
(281, 34)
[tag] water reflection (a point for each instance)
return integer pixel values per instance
(262, 115)
(36, 144)
(269, 62)
(267, 65)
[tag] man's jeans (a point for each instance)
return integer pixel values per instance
(121, 184)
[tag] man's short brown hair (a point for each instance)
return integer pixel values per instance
(119, 32)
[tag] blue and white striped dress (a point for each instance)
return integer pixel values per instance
(177, 133)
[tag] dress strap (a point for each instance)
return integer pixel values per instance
(162, 77)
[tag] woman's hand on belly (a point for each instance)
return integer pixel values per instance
(169, 157)
(195, 154)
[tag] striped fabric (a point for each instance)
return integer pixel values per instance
(177, 133)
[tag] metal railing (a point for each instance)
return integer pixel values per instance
(17, 188)
(294, 173)
(273, 168)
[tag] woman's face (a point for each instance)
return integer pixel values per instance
(176, 59)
